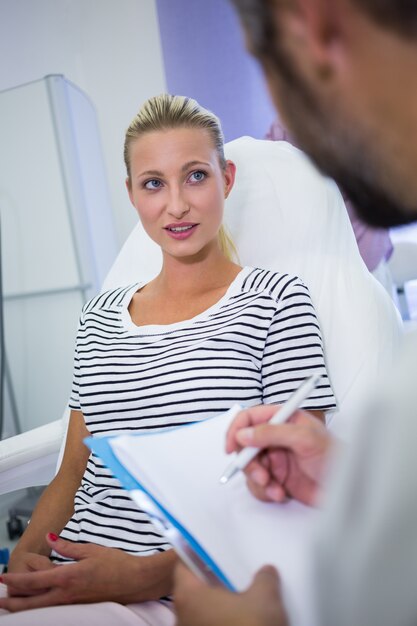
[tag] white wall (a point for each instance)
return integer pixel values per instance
(109, 48)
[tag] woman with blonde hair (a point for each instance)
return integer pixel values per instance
(202, 335)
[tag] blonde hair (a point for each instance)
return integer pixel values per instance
(165, 112)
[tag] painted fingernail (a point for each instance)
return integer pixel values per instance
(52, 537)
(245, 435)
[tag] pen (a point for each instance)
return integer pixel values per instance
(246, 455)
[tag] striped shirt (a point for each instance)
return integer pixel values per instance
(255, 345)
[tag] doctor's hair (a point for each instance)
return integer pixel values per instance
(167, 112)
(258, 20)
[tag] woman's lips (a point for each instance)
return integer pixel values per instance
(180, 231)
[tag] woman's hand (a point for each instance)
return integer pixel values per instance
(292, 455)
(200, 605)
(28, 562)
(98, 574)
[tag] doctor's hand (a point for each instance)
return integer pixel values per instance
(98, 574)
(197, 604)
(292, 457)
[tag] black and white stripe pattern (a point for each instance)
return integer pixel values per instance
(254, 346)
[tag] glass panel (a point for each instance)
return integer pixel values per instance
(37, 242)
(40, 339)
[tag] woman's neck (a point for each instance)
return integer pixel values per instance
(187, 278)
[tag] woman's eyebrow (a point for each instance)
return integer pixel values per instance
(186, 166)
(189, 164)
(150, 173)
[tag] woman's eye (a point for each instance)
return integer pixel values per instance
(152, 184)
(197, 177)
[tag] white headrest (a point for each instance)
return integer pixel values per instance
(284, 215)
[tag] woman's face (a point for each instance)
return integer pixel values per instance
(178, 188)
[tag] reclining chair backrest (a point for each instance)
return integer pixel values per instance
(283, 215)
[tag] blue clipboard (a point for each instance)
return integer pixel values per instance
(185, 545)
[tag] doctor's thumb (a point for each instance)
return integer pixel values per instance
(265, 591)
(267, 578)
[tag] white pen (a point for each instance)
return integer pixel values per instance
(246, 455)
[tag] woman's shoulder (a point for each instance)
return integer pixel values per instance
(276, 285)
(111, 299)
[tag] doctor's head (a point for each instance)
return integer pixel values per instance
(177, 175)
(342, 76)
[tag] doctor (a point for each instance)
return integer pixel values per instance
(343, 75)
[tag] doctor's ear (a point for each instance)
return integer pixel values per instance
(318, 30)
(229, 177)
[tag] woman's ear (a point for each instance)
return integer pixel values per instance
(229, 177)
(128, 184)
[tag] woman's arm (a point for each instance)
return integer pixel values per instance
(56, 504)
(293, 350)
(99, 573)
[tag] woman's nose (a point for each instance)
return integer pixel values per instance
(178, 207)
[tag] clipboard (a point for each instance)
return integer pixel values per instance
(183, 542)
(220, 531)
(182, 547)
